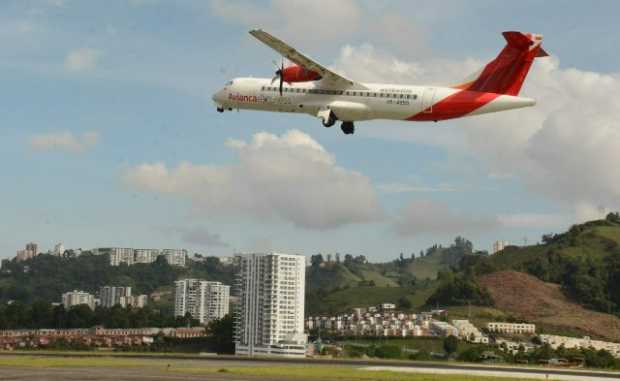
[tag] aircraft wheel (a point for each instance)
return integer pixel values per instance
(220, 109)
(348, 128)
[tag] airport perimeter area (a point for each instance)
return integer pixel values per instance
(59, 366)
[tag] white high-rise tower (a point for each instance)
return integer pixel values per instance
(269, 319)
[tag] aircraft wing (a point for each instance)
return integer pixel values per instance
(294, 56)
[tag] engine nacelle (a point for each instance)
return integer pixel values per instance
(350, 111)
(298, 73)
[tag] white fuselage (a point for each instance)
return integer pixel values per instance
(363, 102)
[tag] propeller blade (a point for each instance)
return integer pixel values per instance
(281, 76)
(281, 80)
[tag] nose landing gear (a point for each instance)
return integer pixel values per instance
(220, 109)
(347, 127)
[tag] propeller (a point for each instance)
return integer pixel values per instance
(279, 74)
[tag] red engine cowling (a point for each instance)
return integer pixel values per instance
(298, 73)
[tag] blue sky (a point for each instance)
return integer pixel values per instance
(92, 92)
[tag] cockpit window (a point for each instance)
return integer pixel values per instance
(229, 83)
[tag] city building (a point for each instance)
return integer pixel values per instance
(138, 301)
(109, 296)
(269, 318)
(203, 300)
(130, 256)
(117, 255)
(175, 257)
(556, 341)
(441, 328)
(226, 260)
(59, 250)
(499, 246)
(29, 252)
(75, 298)
(469, 332)
(512, 328)
(145, 255)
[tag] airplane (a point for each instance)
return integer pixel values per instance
(308, 87)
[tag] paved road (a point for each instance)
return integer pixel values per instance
(145, 373)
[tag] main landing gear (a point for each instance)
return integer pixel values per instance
(347, 127)
(330, 120)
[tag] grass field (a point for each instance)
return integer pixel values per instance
(86, 362)
(339, 373)
(371, 296)
(310, 372)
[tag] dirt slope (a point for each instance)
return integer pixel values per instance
(529, 298)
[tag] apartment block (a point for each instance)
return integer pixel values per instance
(512, 328)
(556, 341)
(269, 318)
(29, 252)
(203, 300)
(109, 296)
(469, 332)
(75, 298)
(175, 257)
(145, 255)
(130, 256)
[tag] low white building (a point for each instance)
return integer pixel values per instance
(469, 332)
(513, 346)
(512, 328)
(556, 341)
(75, 298)
(441, 328)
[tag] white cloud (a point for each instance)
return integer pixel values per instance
(431, 217)
(310, 22)
(563, 148)
(64, 141)
(289, 177)
(82, 59)
(535, 220)
(201, 237)
(410, 188)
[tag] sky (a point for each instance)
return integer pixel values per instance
(109, 136)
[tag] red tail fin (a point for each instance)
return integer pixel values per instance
(506, 73)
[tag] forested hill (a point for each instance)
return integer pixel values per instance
(45, 277)
(584, 261)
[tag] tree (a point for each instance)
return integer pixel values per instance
(404, 303)
(222, 333)
(316, 260)
(450, 344)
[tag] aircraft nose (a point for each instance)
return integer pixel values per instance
(218, 97)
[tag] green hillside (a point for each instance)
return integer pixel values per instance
(45, 277)
(584, 261)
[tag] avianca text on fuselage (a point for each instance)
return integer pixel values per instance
(310, 88)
